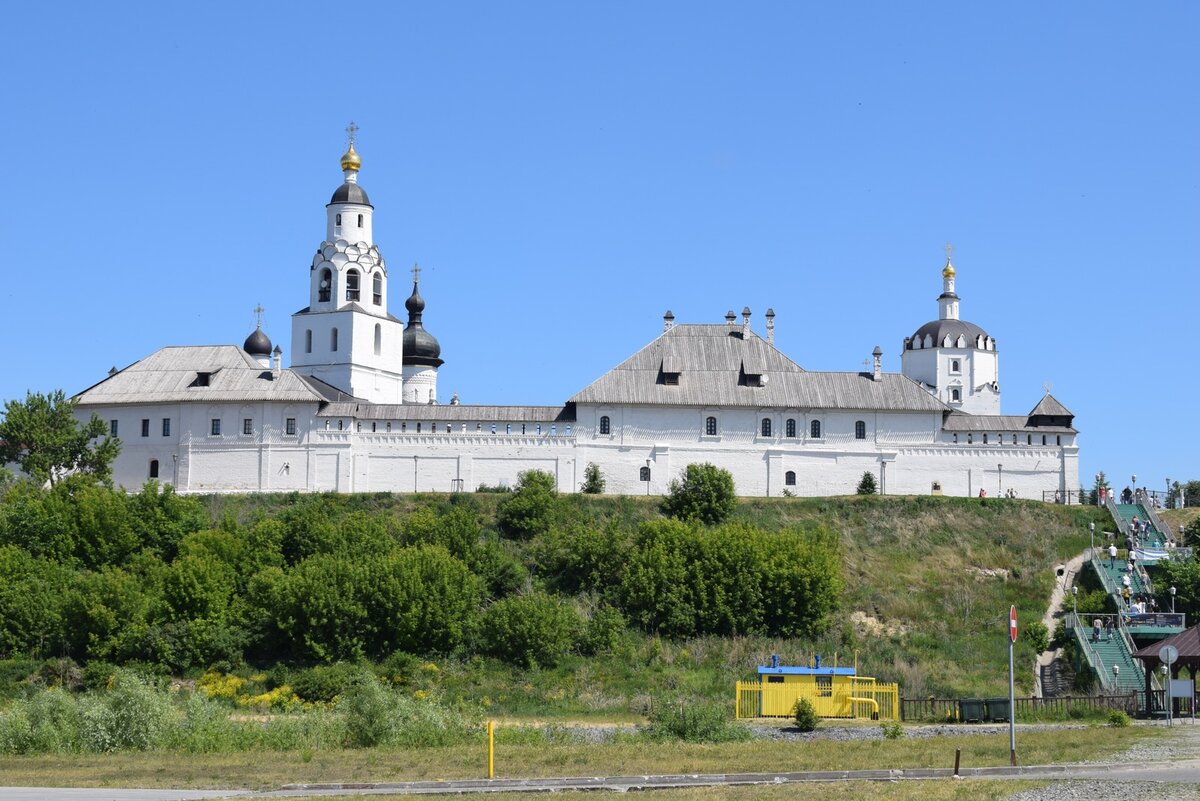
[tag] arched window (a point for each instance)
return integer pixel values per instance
(814, 429)
(789, 427)
(508, 428)
(378, 339)
(360, 218)
(860, 429)
(326, 284)
(308, 340)
(153, 468)
(1058, 439)
(333, 340)
(789, 478)
(1043, 439)
(956, 437)
(352, 285)
(955, 395)
(766, 427)
(1014, 439)
(710, 426)
(337, 220)
(568, 429)
(954, 366)
(1029, 439)
(643, 473)
(605, 425)
(985, 439)
(377, 289)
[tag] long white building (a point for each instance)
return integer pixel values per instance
(357, 410)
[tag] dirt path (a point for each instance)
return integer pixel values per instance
(1062, 588)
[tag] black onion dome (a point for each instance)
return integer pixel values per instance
(257, 344)
(938, 329)
(350, 193)
(419, 346)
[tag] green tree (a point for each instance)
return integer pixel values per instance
(866, 486)
(42, 435)
(706, 493)
(533, 630)
(593, 480)
(530, 509)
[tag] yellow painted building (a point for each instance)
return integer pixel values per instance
(834, 693)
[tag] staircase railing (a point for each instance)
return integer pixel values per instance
(1091, 655)
(1158, 523)
(1111, 506)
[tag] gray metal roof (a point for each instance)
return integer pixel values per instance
(350, 193)
(959, 421)
(712, 358)
(361, 410)
(1049, 406)
(169, 376)
(938, 329)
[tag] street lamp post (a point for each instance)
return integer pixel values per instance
(1074, 604)
(1000, 481)
(1172, 591)
(647, 478)
(1092, 538)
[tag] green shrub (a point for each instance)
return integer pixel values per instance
(530, 509)
(695, 723)
(324, 683)
(706, 493)
(593, 480)
(892, 730)
(867, 485)
(604, 631)
(805, 715)
(536, 630)
(369, 713)
(1037, 635)
(1117, 718)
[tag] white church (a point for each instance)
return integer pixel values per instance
(357, 410)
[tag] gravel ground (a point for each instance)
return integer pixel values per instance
(1098, 790)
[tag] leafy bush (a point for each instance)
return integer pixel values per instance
(530, 509)
(603, 632)
(892, 730)
(696, 723)
(324, 683)
(866, 486)
(1037, 635)
(805, 715)
(1117, 718)
(536, 630)
(593, 480)
(706, 493)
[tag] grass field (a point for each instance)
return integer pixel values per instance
(262, 770)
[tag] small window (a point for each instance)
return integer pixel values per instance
(493, 428)
(418, 427)
(1014, 439)
(145, 426)
(1029, 439)
(605, 425)
(289, 426)
(774, 679)
(955, 366)
(568, 429)
(522, 429)
(112, 427)
(378, 339)
(377, 289)
(538, 429)
(970, 439)
(338, 220)
(985, 439)
(507, 428)
(326, 286)
(166, 428)
(153, 468)
(553, 430)
(956, 437)
(765, 427)
(955, 395)
(333, 340)
(308, 341)
(643, 473)
(214, 427)
(202, 379)
(247, 426)
(352, 285)
(814, 429)
(710, 426)
(789, 428)
(373, 428)
(340, 425)
(360, 221)
(1043, 439)
(388, 428)
(1058, 439)
(789, 478)
(860, 429)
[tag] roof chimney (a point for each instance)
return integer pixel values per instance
(770, 326)
(745, 322)
(668, 321)
(730, 317)
(878, 354)
(277, 361)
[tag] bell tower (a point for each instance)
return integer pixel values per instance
(345, 336)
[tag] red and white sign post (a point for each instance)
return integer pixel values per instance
(1012, 695)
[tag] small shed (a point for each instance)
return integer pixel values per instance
(835, 692)
(1187, 644)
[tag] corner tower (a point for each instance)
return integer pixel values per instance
(345, 336)
(955, 360)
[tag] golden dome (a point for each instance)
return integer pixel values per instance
(350, 160)
(949, 271)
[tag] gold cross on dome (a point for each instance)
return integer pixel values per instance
(258, 313)
(416, 271)
(949, 251)
(352, 133)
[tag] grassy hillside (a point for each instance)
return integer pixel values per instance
(928, 585)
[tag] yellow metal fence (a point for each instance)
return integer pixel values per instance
(860, 698)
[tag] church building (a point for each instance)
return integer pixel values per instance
(358, 410)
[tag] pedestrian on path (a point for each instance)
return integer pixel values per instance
(1096, 624)
(1108, 629)
(1112, 556)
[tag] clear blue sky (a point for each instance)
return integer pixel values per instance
(567, 172)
